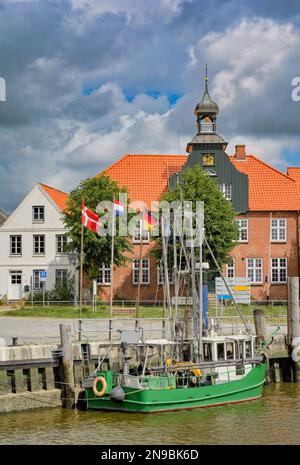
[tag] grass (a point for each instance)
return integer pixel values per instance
(102, 311)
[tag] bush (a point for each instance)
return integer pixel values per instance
(62, 292)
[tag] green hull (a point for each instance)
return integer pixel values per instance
(159, 400)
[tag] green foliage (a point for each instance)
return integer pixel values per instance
(62, 292)
(220, 228)
(97, 249)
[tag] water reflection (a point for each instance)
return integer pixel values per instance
(274, 419)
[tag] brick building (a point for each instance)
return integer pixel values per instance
(266, 200)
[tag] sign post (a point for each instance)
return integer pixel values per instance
(43, 279)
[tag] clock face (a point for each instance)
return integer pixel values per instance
(208, 159)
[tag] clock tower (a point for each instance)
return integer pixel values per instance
(207, 148)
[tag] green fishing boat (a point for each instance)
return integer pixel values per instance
(222, 380)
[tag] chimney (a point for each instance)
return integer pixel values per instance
(240, 152)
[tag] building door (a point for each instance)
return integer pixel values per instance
(15, 285)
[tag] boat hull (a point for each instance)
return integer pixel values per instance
(160, 400)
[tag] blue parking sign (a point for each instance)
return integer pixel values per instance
(43, 275)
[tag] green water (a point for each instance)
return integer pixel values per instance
(273, 419)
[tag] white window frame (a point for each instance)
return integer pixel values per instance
(39, 244)
(226, 189)
(160, 275)
(15, 236)
(278, 226)
(279, 267)
(135, 270)
(62, 279)
(136, 238)
(40, 283)
(257, 266)
(243, 228)
(62, 238)
(13, 274)
(102, 276)
(40, 214)
(230, 267)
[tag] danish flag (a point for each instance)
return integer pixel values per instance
(89, 219)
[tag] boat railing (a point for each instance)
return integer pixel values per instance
(209, 364)
(184, 375)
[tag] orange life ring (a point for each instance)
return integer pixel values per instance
(104, 386)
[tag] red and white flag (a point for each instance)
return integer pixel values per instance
(89, 219)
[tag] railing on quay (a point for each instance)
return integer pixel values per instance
(111, 329)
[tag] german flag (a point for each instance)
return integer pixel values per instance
(149, 220)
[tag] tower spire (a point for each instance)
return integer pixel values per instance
(206, 82)
(206, 112)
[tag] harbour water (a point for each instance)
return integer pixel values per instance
(273, 419)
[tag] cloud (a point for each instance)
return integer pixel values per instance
(88, 81)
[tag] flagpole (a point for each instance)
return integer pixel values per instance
(140, 272)
(112, 270)
(81, 277)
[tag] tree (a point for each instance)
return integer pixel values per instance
(97, 249)
(221, 230)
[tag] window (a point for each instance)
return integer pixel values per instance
(248, 349)
(226, 189)
(230, 269)
(229, 350)
(278, 230)
(207, 351)
(39, 245)
(61, 277)
(104, 275)
(220, 351)
(145, 271)
(37, 283)
(279, 270)
(61, 243)
(38, 214)
(243, 230)
(15, 245)
(254, 270)
(161, 275)
(137, 234)
(16, 277)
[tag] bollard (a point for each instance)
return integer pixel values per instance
(293, 323)
(68, 366)
(260, 324)
(293, 308)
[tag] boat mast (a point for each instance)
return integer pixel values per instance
(166, 272)
(200, 221)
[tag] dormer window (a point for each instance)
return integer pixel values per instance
(38, 214)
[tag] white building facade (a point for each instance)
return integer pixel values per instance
(33, 239)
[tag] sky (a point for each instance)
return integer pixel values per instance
(91, 80)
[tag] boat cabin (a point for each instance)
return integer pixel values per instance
(228, 348)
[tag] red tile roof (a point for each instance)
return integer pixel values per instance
(59, 197)
(294, 173)
(269, 189)
(146, 179)
(145, 176)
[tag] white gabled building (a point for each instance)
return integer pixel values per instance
(33, 239)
